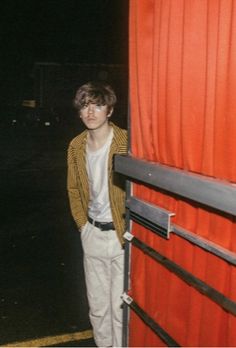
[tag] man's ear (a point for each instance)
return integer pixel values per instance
(110, 113)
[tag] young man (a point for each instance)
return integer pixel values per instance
(97, 200)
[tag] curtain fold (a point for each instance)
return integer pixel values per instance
(182, 62)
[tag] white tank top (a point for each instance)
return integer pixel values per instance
(97, 168)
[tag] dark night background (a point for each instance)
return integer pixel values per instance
(64, 31)
(42, 290)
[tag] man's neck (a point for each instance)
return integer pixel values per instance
(98, 137)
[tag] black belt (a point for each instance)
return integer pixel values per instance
(103, 226)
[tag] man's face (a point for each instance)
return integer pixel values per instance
(94, 116)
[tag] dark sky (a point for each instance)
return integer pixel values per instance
(80, 31)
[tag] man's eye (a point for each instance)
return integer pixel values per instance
(98, 107)
(92, 107)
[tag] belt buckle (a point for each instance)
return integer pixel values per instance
(103, 226)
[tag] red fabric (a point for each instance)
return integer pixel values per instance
(183, 114)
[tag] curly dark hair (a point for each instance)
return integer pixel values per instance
(97, 93)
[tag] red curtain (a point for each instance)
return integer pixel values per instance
(183, 114)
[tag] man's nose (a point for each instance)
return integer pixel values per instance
(91, 108)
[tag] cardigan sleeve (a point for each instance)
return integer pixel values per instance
(75, 199)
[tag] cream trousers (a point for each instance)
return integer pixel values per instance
(104, 273)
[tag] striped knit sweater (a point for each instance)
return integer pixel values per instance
(77, 180)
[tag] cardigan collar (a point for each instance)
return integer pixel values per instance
(116, 131)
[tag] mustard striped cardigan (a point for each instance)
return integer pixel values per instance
(77, 180)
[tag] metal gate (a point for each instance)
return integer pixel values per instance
(180, 283)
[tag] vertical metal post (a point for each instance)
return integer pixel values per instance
(126, 310)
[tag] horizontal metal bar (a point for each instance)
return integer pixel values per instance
(186, 276)
(214, 193)
(166, 338)
(153, 218)
(150, 216)
(150, 226)
(205, 244)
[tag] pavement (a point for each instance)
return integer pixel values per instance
(42, 290)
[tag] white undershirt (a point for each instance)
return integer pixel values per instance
(97, 168)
